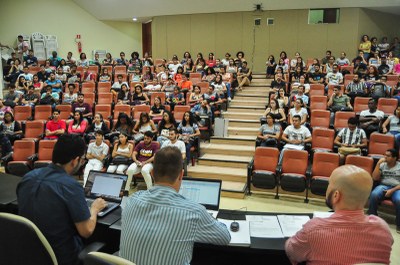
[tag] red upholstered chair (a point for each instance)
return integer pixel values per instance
(320, 118)
(341, 119)
(318, 102)
(387, 105)
(360, 104)
(379, 143)
(42, 112)
(103, 87)
(20, 161)
(22, 113)
(34, 130)
(179, 110)
(363, 162)
(322, 140)
(261, 172)
(317, 90)
(45, 153)
(322, 167)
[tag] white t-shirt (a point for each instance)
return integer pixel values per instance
(97, 150)
(179, 144)
(378, 113)
(293, 112)
(174, 67)
(21, 47)
(334, 79)
(301, 133)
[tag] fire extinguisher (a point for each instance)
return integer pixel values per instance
(78, 42)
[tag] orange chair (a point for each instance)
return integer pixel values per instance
(360, 104)
(322, 167)
(203, 87)
(363, 162)
(262, 169)
(89, 98)
(379, 143)
(34, 69)
(22, 113)
(103, 87)
(122, 108)
(387, 105)
(349, 68)
(45, 153)
(79, 69)
(109, 68)
(157, 94)
(88, 87)
(318, 102)
(317, 90)
(341, 119)
(104, 110)
(133, 84)
(179, 110)
(320, 118)
(195, 78)
(322, 140)
(119, 70)
(20, 162)
(34, 130)
(292, 175)
(43, 112)
(104, 98)
(138, 110)
(94, 69)
(65, 111)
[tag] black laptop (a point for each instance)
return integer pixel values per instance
(109, 186)
(204, 191)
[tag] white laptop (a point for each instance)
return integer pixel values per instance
(204, 191)
(108, 186)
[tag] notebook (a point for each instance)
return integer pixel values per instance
(108, 186)
(204, 191)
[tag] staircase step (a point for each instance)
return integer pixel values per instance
(227, 149)
(241, 98)
(243, 115)
(234, 140)
(253, 94)
(246, 107)
(259, 76)
(244, 123)
(223, 173)
(242, 131)
(231, 161)
(233, 189)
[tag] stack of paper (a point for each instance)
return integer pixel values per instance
(290, 224)
(241, 237)
(266, 226)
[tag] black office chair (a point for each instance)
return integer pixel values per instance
(23, 243)
(99, 258)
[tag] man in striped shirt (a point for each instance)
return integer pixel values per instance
(159, 226)
(348, 236)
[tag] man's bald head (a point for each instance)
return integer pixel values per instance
(354, 185)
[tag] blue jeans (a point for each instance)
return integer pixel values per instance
(396, 138)
(377, 196)
(188, 146)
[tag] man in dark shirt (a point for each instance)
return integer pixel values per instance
(384, 68)
(317, 77)
(83, 107)
(42, 74)
(30, 59)
(52, 199)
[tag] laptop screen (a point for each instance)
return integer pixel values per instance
(203, 191)
(109, 186)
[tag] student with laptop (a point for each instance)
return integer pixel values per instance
(52, 199)
(160, 226)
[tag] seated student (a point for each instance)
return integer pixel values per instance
(73, 76)
(196, 96)
(139, 97)
(387, 172)
(298, 110)
(121, 155)
(200, 110)
(30, 59)
(356, 88)
(21, 86)
(104, 76)
(52, 199)
(124, 96)
(137, 76)
(188, 131)
(157, 110)
(394, 122)
(98, 124)
(351, 140)
(269, 132)
(212, 97)
(295, 136)
(143, 157)
(220, 87)
(168, 122)
(358, 238)
(60, 75)
(55, 127)
(116, 87)
(168, 87)
(123, 125)
(185, 84)
(54, 59)
(173, 141)
(380, 89)
(148, 77)
(28, 76)
(70, 97)
(95, 154)
(175, 98)
(342, 60)
(83, 107)
(121, 60)
(384, 68)
(316, 77)
(338, 101)
(371, 118)
(88, 76)
(11, 128)
(277, 113)
(143, 125)
(3, 110)
(299, 95)
(31, 98)
(360, 67)
(49, 97)
(188, 220)
(12, 98)
(78, 124)
(54, 83)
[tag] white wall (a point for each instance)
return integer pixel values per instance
(65, 19)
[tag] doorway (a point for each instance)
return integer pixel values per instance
(146, 38)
